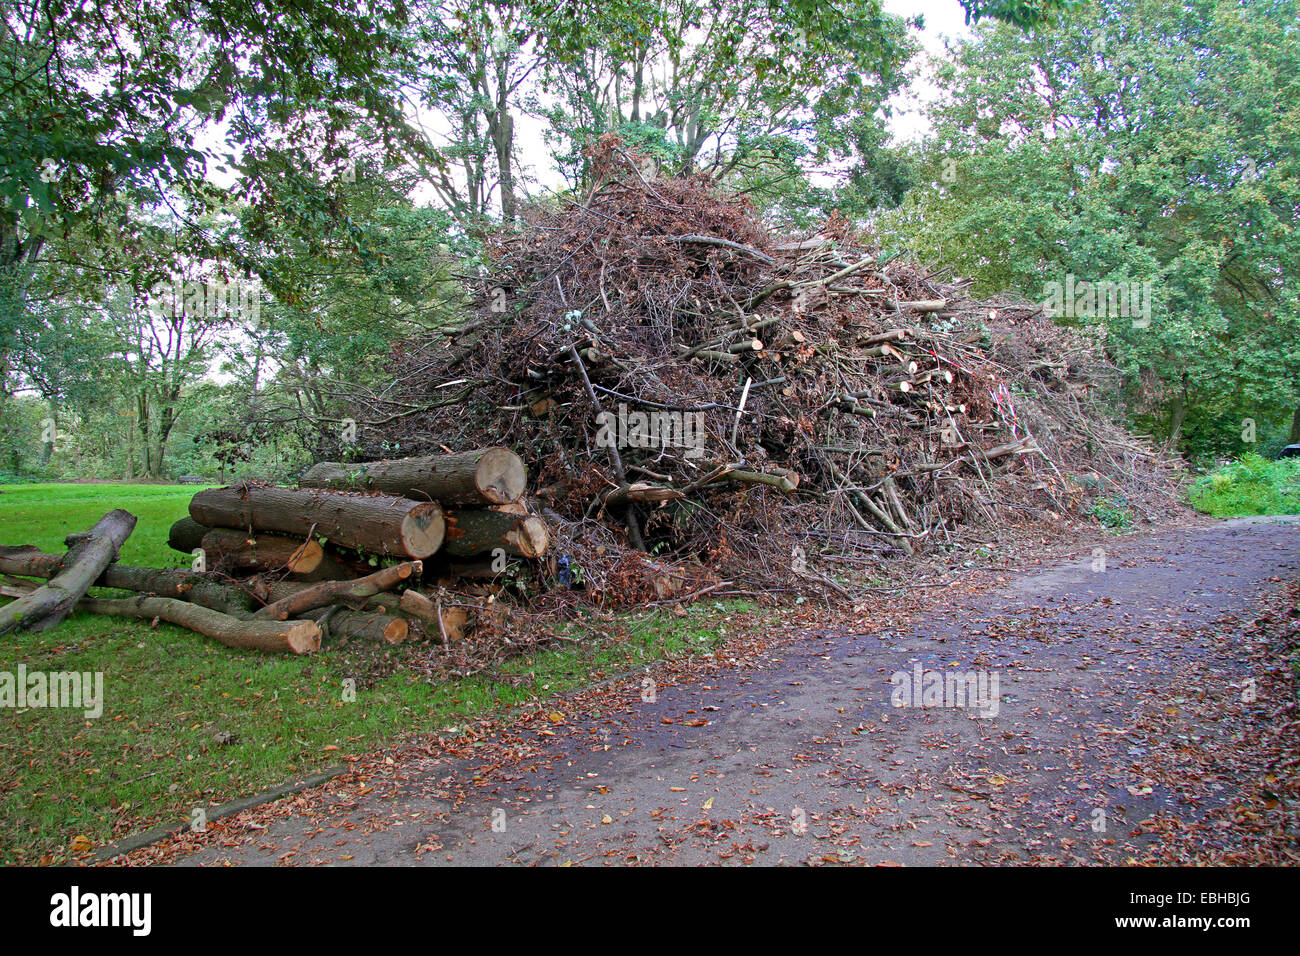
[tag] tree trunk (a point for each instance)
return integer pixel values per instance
(361, 625)
(186, 585)
(489, 476)
(230, 601)
(89, 553)
(270, 637)
(239, 550)
(335, 592)
(480, 532)
(450, 622)
(381, 525)
(186, 534)
(1295, 429)
(617, 499)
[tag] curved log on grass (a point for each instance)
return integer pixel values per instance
(164, 582)
(270, 637)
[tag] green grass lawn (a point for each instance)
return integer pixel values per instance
(152, 757)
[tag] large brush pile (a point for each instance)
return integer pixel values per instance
(810, 403)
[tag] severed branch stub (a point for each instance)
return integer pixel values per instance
(334, 592)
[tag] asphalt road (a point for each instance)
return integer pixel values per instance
(1118, 699)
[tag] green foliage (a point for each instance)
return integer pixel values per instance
(1022, 13)
(1134, 141)
(1113, 513)
(748, 83)
(1252, 485)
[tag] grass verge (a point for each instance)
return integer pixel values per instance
(1250, 486)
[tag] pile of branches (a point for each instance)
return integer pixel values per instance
(686, 384)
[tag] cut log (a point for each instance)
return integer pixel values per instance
(711, 354)
(934, 375)
(893, 335)
(482, 570)
(642, 492)
(922, 305)
(333, 592)
(1019, 447)
(89, 554)
(377, 524)
(186, 534)
(239, 550)
(173, 583)
(787, 481)
(270, 637)
(883, 349)
(487, 476)
(361, 625)
(448, 622)
(481, 532)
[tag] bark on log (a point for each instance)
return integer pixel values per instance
(487, 476)
(187, 586)
(642, 492)
(449, 622)
(378, 524)
(173, 583)
(239, 550)
(1017, 447)
(893, 335)
(185, 535)
(361, 625)
(711, 354)
(334, 592)
(270, 637)
(787, 482)
(89, 553)
(480, 532)
(922, 305)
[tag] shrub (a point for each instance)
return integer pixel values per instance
(1251, 485)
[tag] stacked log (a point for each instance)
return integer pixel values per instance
(301, 547)
(487, 476)
(375, 524)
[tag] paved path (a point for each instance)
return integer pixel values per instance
(1105, 679)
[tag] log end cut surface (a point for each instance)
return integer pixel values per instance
(423, 529)
(501, 476)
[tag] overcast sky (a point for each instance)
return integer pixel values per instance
(943, 18)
